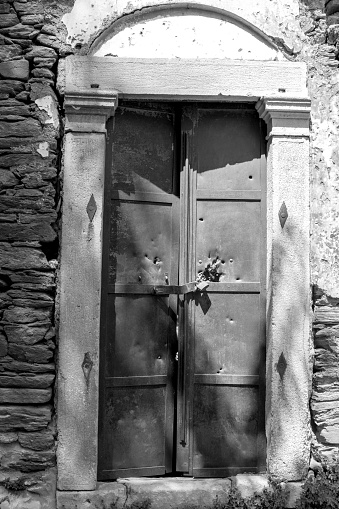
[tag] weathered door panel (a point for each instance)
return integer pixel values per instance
(139, 327)
(229, 231)
(227, 336)
(227, 149)
(138, 334)
(136, 419)
(142, 246)
(225, 429)
(227, 332)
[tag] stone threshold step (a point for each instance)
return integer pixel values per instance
(167, 493)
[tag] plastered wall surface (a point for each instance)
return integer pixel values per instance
(187, 36)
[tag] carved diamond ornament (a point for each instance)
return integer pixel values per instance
(281, 365)
(283, 214)
(87, 365)
(91, 208)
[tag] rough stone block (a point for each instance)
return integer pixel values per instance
(19, 31)
(25, 396)
(32, 303)
(27, 162)
(43, 73)
(15, 69)
(27, 461)
(22, 258)
(15, 143)
(6, 218)
(324, 358)
(11, 87)
(27, 380)
(4, 8)
(25, 334)
(32, 19)
(14, 107)
(8, 364)
(33, 280)
(40, 354)
(40, 231)
(26, 418)
(24, 129)
(8, 20)
(7, 179)
(36, 201)
(328, 376)
(49, 41)
(34, 180)
(248, 484)
(29, 8)
(42, 52)
(44, 62)
(49, 29)
(326, 315)
(26, 315)
(8, 438)
(23, 96)
(3, 345)
(5, 301)
(22, 111)
(37, 441)
(7, 52)
(33, 218)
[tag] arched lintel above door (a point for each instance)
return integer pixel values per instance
(189, 30)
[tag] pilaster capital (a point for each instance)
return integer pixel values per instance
(285, 117)
(88, 110)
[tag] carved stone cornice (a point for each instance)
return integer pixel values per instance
(88, 110)
(285, 117)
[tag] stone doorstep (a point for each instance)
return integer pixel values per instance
(167, 493)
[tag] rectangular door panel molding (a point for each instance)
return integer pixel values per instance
(227, 337)
(227, 150)
(137, 336)
(225, 427)
(140, 242)
(135, 427)
(229, 232)
(142, 151)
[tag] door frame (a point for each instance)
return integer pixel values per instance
(91, 94)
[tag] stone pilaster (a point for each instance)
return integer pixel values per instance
(81, 258)
(288, 293)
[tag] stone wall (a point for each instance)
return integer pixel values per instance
(320, 52)
(31, 35)
(32, 42)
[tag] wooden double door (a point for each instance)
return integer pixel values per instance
(182, 368)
